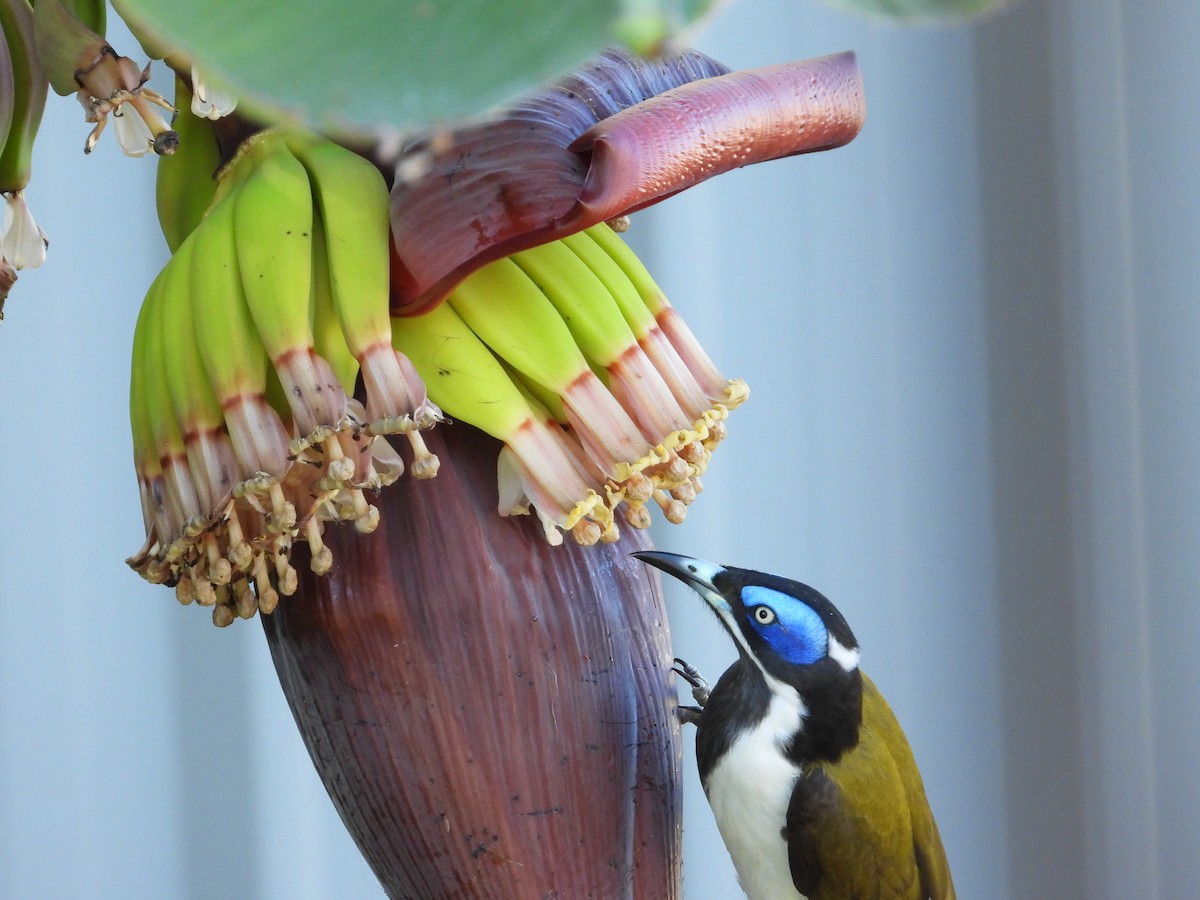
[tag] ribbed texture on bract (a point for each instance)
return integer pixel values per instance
(490, 714)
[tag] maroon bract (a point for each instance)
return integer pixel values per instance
(656, 148)
(498, 729)
(618, 136)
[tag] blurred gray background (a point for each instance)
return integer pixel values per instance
(971, 338)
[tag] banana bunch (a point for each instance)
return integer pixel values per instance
(571, 355)
(247, 352)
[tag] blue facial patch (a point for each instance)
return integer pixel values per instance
(796, 633)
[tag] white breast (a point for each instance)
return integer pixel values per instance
(749, 790)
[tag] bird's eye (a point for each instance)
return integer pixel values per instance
(763, 615)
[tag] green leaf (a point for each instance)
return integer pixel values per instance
(922, 10)
(394, 65)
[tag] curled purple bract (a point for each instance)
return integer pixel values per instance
(667, 143)
(620, 135)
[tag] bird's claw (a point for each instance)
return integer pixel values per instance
(692, 676)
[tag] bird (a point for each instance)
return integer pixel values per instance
(811, 780)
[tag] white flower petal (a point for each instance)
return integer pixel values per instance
(208, 103)
(513, 500)
(24, 244)
(133, 134)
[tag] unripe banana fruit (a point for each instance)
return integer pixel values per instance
(247, 437)
(273, 313)
(579, 353)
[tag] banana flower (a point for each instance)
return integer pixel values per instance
(516, 711)
(77, 59)
(488, 704)
(209, 102)
(22, 242)
(113, 85)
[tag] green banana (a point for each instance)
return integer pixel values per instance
(466, 380)
(551, 401)
(715, 387)
(236, 365)
(599, 327)
(196, 406)
(352, 202)
(207, 569)
(469, 383)
(695, 443)
(272, 226)
(328, 338)
(24, 244)
(185, 183)
(227, 555)
(145, 460)
(184, 517)
(593, 318)
(515, 319)
(233, 357)
(508, 312)
(686, 390)
(265, 521)
(30, 87)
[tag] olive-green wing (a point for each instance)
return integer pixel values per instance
(861, 827)
(934, 869)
